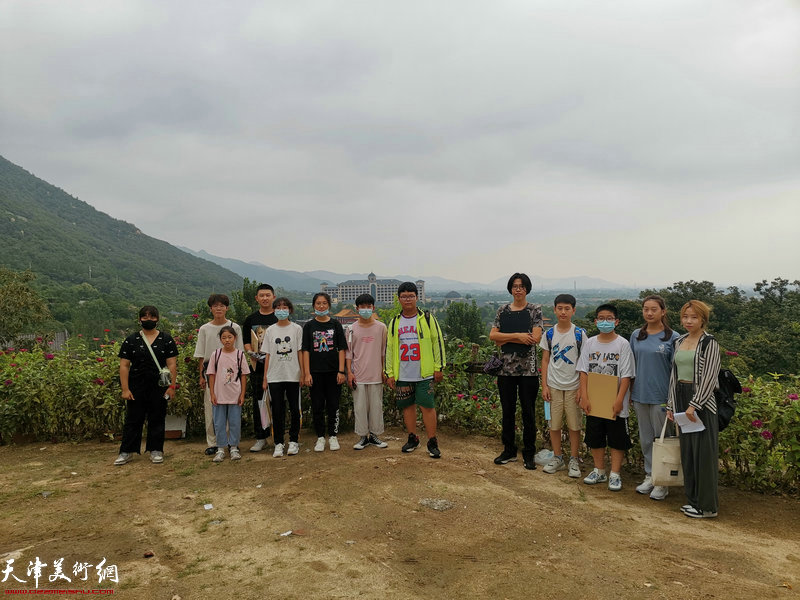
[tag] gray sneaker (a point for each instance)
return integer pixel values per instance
(555, 464)
(219, 456)
(124, 457)
(595, 477)
(615, 482)
(258, 446)
(156, 457)
(235, 454)
(574, 467)
(659, 492)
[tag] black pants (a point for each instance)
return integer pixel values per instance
(509, 386)
(283, 393)
(148, 404)
(257, 390)
(699, 455)
(325, 396)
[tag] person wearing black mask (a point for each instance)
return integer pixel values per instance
(143, 357)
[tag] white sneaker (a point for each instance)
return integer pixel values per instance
(235, 454)
(294, 448)
(555, 464)
(646, 486)
(320, 445)
(258, 446)
(659, 492)
(278, 451)
(123, 458)
(219, 456)
(614, 482)
(333, 442)
(574, 467)
(156, 457)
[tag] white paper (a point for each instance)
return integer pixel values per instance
(688, 426)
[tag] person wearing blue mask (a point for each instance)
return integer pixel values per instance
(366, 351)
(283, 372)
(609, 354)
(323, 355)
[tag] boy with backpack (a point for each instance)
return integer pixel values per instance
(561, 348)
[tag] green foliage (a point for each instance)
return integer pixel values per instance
(463, 321)
(23, 309)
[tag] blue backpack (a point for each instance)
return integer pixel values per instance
(578, 339)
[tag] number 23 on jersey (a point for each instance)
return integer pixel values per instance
(409, 352)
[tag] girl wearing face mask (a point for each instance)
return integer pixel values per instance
(652, 346)
(283, 374)
(141, 357)
(694, 375)
(323, 355)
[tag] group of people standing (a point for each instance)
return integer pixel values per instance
(661, 372)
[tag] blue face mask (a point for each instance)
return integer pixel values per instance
(365, 313)
(281, 314)
(322, 313)
(605, 326)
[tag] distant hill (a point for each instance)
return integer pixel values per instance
(67, 242)
(309, 281)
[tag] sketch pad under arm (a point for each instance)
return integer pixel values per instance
(602, 390)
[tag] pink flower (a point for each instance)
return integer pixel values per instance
(106, 330)
(478, 406)
(10, 350)
(95, 339)
(792, 396)
(98, 381)
(474, 397)
(746, 390)
(80, 335)
(758, 423)
(459, 396)
(49, 356)
(8, 382)
(50, 342)
(100, 359)
(494, 406)
(23, 350)
(195, 316)
(13, 364)
(766, 434)
(731, 353)
(38, 339)
(461, 345)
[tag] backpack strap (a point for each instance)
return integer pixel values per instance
(578, 339)
(549, 336)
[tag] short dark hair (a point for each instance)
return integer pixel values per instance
(265, 286)
(407, 286)
(325, 295)
(227, 328)
(365, 299)
(148, 311)
(282, 301)
(609, 307)
(526, 281)
(564, 299)
(218, 298)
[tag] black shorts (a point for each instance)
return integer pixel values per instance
(604, 432)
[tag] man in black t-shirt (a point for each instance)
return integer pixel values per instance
(253, 330)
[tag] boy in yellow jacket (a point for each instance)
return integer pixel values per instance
(415, 358)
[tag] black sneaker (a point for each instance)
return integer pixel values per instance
(506, 456)
(211, 450)
(528, 461)
(362, 443)
(376, 441)
(433, 448)
(412, 443)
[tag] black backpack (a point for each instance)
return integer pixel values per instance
(727, 386)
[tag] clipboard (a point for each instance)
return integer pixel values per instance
(602, 390)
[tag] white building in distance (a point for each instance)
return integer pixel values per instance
(383, 290)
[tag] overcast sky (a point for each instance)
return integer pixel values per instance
(641, 142)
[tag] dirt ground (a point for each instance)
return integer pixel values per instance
(366, 524)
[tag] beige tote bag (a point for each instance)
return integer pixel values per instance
(667, 469)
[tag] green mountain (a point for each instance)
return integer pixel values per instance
(80, 254)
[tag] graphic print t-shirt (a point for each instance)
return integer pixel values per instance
(226, 385)
(323, 342)
(613, 358)
(561, 370)
(409, 349)
(283, 344)
(253, 329)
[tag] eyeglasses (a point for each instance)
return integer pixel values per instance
(518, 287)
(407, 297)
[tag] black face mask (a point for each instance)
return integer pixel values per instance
(149, 325)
